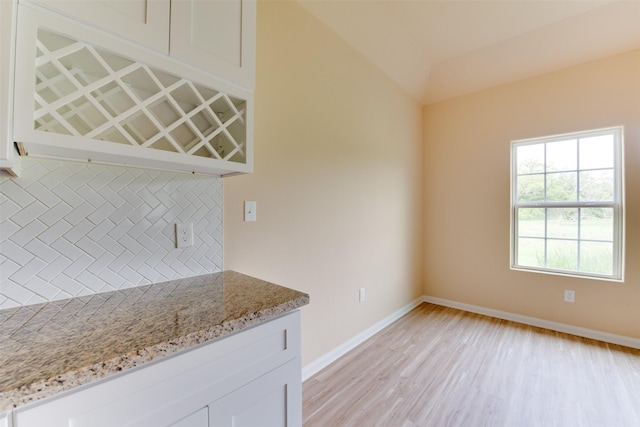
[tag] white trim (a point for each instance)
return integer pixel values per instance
(328, 358)
(617, 273)
(541, 323)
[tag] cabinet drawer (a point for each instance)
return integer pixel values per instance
(166, 391)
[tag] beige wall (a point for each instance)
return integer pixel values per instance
(338, 181)
(344, 161)
(467, 144)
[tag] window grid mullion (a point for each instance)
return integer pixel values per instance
(578, 205)
(546, 235)
(579, 200)
(579, 236)
(560, 205)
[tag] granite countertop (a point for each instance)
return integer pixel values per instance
(56, 346)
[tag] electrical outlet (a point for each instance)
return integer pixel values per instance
(569, 295)
(184, 235)
(361, 295)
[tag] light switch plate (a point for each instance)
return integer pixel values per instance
(249, 211)
(184, 235)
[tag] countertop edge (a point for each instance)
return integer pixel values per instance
(16, 398)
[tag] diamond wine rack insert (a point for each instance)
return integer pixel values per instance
(85, 91)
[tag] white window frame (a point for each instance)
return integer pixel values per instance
(617, 205)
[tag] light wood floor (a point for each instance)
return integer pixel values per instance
(439, 366)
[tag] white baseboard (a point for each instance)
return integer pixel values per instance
(325, 360)
(533, 321)
(330, 357)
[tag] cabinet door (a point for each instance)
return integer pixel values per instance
(216, 36)
(8, 160)
(4, 419)
(145, 22)
(197, 419)
(273, 400)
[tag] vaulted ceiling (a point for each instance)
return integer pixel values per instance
(439, 49)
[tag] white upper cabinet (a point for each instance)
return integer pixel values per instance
(83, 94)
(9, 161)
(145, 22)
(216, 35)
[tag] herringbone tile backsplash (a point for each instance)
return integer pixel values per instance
(70, 229)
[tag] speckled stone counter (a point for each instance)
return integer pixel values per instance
(52, 347)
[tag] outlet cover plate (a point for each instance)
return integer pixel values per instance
(249, 211)
(569, 295)
(184, 235)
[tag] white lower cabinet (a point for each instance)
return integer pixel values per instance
(273, 400)
(252, 378)
(4, 419)
(200, 418)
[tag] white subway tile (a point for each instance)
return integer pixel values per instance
(70, 229)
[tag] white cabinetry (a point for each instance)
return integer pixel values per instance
(145, 22)
(269, 401)
(4, 419)
(9, 161)
(218, 36)
(83, 94)
(200, 418)
(247, 379)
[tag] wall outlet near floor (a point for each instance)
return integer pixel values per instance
(361, 295)
(184, 235)
(569, 295)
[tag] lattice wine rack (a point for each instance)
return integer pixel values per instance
(82, 90)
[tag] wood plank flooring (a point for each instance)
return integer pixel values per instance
(439, 366)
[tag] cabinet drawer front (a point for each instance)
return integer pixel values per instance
(164, 392)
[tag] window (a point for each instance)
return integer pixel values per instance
(566, 204)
